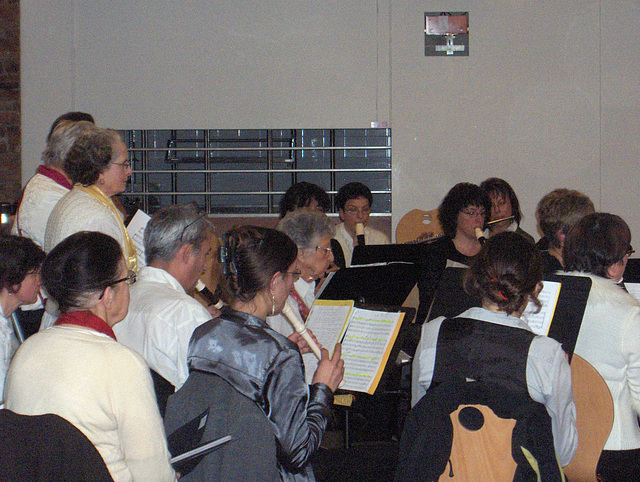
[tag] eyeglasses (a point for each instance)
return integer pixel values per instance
(202, 216)
(353, 210)
(630, 251)
(294, 274)
(473, 212)
(324, 251)
(129, 279)
(125, 165)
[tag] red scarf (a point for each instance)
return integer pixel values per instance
(87, 320)
(55, 175)
(304, 309)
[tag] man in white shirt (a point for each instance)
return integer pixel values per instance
(162, 316)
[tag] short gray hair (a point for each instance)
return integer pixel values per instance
(305, 227)
(171, 228)
(62, 138)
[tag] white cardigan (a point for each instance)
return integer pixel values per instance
(41, 194)
(101, 387)
(78, 211)
(609, 339)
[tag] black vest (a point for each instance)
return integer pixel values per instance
(495, 356)
(470, 349)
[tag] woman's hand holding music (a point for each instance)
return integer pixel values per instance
(330, 371)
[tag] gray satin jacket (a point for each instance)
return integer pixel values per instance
(267, 368)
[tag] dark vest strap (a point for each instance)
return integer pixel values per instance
(482, 351)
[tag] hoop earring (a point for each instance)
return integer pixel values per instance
(273, 304)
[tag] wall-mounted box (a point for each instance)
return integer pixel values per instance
(446, 33)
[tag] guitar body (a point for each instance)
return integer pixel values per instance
(594, 407)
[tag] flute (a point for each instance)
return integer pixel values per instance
(300, 328)
(500, 220)
(208, 295)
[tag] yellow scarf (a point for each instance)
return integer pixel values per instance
(130, 255)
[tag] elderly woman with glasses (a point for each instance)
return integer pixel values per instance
(598, 246)
(311, 232)
(464, 209)
(77, 370)
(99, 167)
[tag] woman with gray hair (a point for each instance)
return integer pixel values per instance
(311, 231)
(50, 183)
(99, 167)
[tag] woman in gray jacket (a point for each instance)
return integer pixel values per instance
(259, 363)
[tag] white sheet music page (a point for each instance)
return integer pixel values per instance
(539, 322)
(366, 345)
(136, 229)
(327, 320)
(367, 338)
(455, 264)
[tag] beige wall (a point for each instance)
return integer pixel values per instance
(549, 96)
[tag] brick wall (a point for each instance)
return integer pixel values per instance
(10, 175)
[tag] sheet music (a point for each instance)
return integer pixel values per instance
(455, 264)
(365, 345)
(539, 322)
(366, 340)
(327, 321)
(382, 263)
(633, 289)
(136, 229)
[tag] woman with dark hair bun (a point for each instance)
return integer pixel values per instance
(77, 370)
(259, 363)
(599, 246)
(20, 260)
(492, 345)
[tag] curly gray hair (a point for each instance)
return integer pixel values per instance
(306, 227)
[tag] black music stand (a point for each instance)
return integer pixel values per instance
(387, 253)
(450, 298)
(572, 301)
(632, 271)
(376, 287)
(379, 285)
